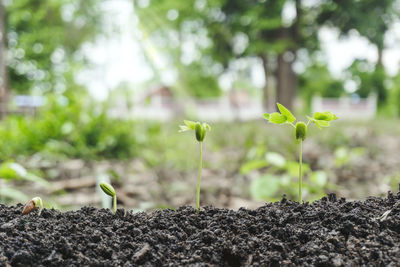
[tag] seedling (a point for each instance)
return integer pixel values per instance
(200, 130)
(33, 204)
(321, 119)
(109, 190)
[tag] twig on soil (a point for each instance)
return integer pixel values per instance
(386, 213)
(249, 260)
(142, 252)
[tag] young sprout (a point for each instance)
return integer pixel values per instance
(321, 119)
(200, 130)
(33, 204)
(109, 190)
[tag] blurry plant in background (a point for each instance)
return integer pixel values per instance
(316, 80)
(231, 37)
(344, 156)
(11, 171)
(71, 127)
(273, 176)
(44, 40)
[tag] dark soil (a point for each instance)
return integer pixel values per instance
(328, 232)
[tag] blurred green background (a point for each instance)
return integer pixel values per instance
(94, 90)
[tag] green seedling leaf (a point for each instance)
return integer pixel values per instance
(321, 123)
(277, 118)
(190, 124)
(321, 116)
(206, 126)
(325, 116)
(107, 188)
(200, 129)
(38, 203)
(284, 111)
(183, 128)
(266, 116)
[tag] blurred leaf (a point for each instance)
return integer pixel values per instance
(37, 179)
(264, 187)
(319, 178)
(7, 172)
(14, 171)
(342, 156)
(252, 165)
(275, 159)
(14, 194)
(292, 167)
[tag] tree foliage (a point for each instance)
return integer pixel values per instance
(44, 38)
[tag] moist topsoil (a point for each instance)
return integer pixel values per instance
(328, 232)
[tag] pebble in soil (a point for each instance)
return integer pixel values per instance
(328, 232)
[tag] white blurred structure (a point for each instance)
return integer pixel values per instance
(161, 105)
(347, 108)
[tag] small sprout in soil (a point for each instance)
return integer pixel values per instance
(109, 190)
(321, 119)
(33, 204)
(200, 130)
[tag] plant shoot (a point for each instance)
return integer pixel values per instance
(200, 130)
(33, 204)
(109, 190)
(321, 119)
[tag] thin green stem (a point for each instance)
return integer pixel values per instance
(40, 206)
(115, 203)
(300, 172)
(199, 178)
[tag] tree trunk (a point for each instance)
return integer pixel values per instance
(380, 55)
(3, 63)
(286, 79)
(379, 78)
(268, 95)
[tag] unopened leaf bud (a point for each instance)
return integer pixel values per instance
(200, 132)
(301, 131)
(107, 188)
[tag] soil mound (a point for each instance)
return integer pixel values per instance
(328, 232)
